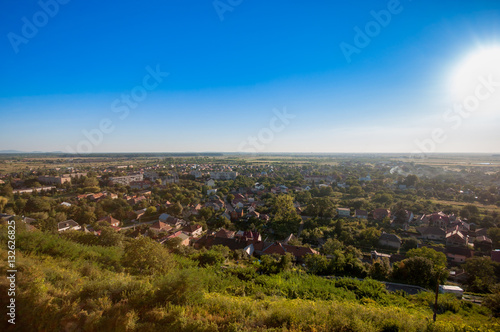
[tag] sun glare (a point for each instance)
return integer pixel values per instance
(482, 63)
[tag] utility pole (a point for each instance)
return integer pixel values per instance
(437, 293)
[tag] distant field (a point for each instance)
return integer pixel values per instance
(459, 205)
(13, 163)
(476, 160)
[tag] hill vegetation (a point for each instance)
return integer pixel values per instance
(139, 285)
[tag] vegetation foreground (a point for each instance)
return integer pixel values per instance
(141, 286)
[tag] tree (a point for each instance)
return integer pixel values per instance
(91, 184)
(380, 269)
(173, 243)
(37, 204)
(275, 263)
(209, 258)
(494, 235)
(320, 206)
(286, 220)
(383, 198)
(3, 202)
(317, 264)
(469, 211)
(206, 212)
(151, 210)
(331, 245)
(110, 237)
(401, 216)
(437, 258)
(369, 237)
(415, 271)
(144, 255)
(493, 303)
(356, 191)
(6, 190)
(338, 227)
(409, 243)
(411, 180)
(284, 208)
(481, 274)
(175, 209)
(303, 197)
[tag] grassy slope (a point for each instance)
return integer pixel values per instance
(67, 286)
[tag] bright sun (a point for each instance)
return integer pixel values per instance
(482, 63)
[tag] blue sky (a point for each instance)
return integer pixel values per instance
(232, 66)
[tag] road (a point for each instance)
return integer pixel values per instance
(139, 224)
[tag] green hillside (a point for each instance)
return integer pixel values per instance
(139, 285)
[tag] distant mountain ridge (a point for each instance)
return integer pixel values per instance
(17, 151)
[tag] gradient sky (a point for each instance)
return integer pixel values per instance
(232, 68)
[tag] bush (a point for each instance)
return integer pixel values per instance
(179, 288)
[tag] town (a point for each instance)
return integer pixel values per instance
(366, 211)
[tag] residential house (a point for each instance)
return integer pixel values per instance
(458, 254)
(163, 217)
(207, 241)
(145, 193)
(175, 222)
(135, 200)
(483, 243)
(456, 237)
(179, 234)
(159, 226)
(137, 214)
(253, 214)
(439, 219)
(495, 255)
(68, 225)
(279, 248)
(224, 233)
(191, 211)
(110, 220)
(343, 212)
(259, 186)
(289, 238)
(248, 235)
(380, 214)
(211, 192)
(367, 178)
(389, 240)
(193, 230)
(432, 233)
(236, 214)
(264, 217)
(362, 214)
(126, 180)
(196, 174)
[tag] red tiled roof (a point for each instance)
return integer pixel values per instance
(110, 220)
(224, 233)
